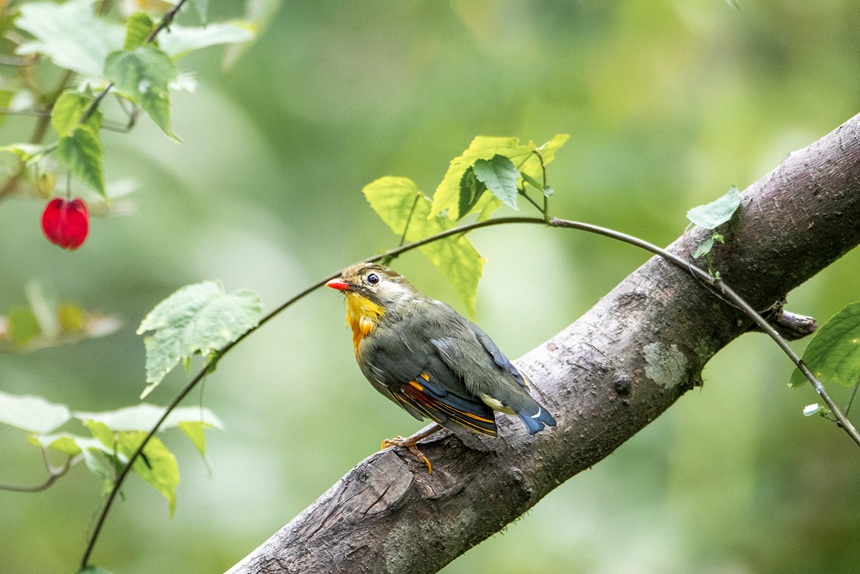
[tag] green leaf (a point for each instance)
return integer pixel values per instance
(500, 176)
(102, 465)
(447, 200)
(23, 326)
(67, 112)
(94, 570)
(392, 198)
(704, 248)
(27, 152)
(81, 152)
(102, 433)
(181, 40)
(143, 75)
(199, 318)
(144, 416)
(69, 444)
(201, 7)
(159, 468)
(80, 148)
(138, 27)
(70, 34)
(31, 413)
(194, 431)
(833, 354)
(718, 212)
(471, 189)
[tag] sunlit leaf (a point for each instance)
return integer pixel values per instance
(144, 416)
(718, 212)
(31, 413)
(178, 41)
(199, 318)
(138, 27)
(194, 431)
(144, 75)
(25, 151)
(393, 199)
(833, 353)
(446, 198)
(70, 34)
(159, 469)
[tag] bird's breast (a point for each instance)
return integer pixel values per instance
(362, 315)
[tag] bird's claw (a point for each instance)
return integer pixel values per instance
(409, 443)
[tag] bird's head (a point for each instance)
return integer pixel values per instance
(380, 285)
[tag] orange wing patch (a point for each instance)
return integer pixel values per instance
(443, 412)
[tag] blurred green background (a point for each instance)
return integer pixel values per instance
(669, 103)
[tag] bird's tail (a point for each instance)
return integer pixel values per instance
(535, 417)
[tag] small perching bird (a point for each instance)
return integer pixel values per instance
(425, 357)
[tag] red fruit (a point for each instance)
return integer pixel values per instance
(66, 223)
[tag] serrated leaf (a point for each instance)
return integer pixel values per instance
(471, 189)
(70, 34)
(159, 468)
(138, 27)
(144, 416)
(833, 353)
(32, 413)
(81, 152)
(68, 112)
(500, 176)
(181, 40)
(144, 75)
(392, 198)
(718, 212)
(446, 198)
(199, 318)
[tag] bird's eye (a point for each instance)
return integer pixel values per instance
(373, 278)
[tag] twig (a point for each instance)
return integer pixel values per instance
(54, 472)
(728, 293)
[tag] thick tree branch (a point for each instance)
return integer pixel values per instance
(604, 377)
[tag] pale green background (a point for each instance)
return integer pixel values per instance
(669, 103)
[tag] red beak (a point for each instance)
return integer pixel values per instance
(338, 284)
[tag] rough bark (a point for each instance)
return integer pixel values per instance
(605, 377)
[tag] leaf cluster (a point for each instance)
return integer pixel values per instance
(113, 438)
(135, 61)
(491, 172)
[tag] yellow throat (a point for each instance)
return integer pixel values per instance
(362, 315)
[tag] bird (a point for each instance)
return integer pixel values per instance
(430, 360)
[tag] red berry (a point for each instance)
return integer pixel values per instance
(66, 223)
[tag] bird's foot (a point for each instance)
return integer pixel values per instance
(411, 442)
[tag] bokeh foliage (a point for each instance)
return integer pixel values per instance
(668, 103)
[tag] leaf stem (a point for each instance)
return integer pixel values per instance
(53, 474)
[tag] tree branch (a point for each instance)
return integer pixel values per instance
(605, 377)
